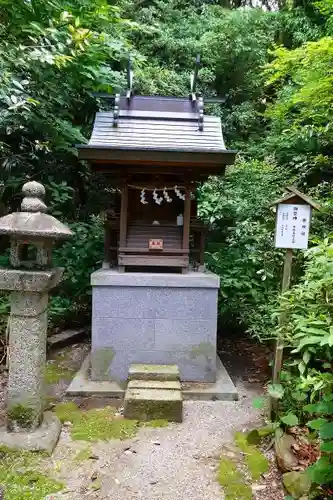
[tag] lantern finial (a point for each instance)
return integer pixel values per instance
(34, 193)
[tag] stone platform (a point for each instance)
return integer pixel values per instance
(154, 318)
(222, 389)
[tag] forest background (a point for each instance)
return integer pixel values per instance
(273, 65)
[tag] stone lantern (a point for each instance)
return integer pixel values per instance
(32, 234)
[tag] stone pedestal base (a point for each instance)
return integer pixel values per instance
(43, 438)
(223, 389)
(27, 343)
(154, 318)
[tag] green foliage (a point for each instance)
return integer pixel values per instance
(256, 462)
(301, 114)
(20, 478)
(309, 325)
(308, 332)
(230, 55)
(290, 419)
(241, 247)
(321, 472)
(232, 481)
(83, 455)
(276, 391)
(53, 54)
(79, 257)
(54, 373)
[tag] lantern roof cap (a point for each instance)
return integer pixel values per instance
(32, 221)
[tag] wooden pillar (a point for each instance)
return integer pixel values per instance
(202, 251)
(278, 356)
(107, 245)
(186, 221)
(123, 220)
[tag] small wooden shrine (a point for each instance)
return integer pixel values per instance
(155, 151)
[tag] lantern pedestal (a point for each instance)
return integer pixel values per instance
(27, 357)
(44, 438)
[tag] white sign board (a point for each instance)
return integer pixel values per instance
(292, 226)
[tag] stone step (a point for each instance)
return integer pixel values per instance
(153, 372)
(170, 385)
(152, 404)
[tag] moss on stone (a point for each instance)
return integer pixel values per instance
(95, 424)
(100, 423)
(22, 415)
(101, 360)
(83, 455)
(96, 484)
(232, 481)
(152, 368)
(256, 462)
(155, 423)
(203, 349)
(67, 412)
(49, 402)
(54, 373)
(149, 410)
(64, 355)
(20, 478)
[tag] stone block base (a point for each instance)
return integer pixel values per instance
(153, 372)
(154, 318)
(151, 404)
(44, 438)
(223, 389)
(169, 385)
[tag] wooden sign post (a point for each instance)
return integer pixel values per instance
(293, 218)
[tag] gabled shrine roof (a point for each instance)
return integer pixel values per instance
(157, 129)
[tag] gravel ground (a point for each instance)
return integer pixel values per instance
(177, 462)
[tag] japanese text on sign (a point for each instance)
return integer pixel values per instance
(292, 226)
(155, 244)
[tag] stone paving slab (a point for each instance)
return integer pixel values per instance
(173, 385)
(153, 404)
(66, 337)
(153, 372)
